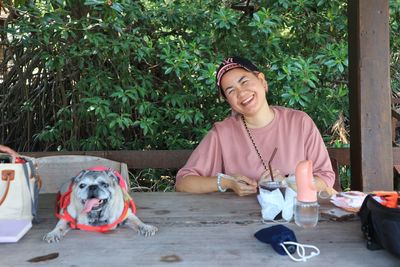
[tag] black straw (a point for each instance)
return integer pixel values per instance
(269, 163)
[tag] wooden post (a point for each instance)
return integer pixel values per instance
(371, 154)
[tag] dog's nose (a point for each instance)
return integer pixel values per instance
(92, 187)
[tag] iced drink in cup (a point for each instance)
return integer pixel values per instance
(271, 186)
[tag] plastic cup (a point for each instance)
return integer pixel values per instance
(271, 186)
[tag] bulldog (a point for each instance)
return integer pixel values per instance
(96, 200)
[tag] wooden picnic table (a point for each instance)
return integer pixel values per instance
(194, 230)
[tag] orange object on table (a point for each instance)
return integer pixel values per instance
(389, 198)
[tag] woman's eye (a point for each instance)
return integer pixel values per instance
(229, 91)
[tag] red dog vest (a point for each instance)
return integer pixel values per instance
(63, 200)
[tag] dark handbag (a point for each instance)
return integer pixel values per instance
(380, 225)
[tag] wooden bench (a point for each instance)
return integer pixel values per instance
(72, 162)
(57, 170)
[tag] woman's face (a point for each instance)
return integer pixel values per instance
(244, 90)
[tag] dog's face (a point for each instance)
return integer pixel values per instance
(95, 190)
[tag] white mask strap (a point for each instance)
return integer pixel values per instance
(300, 250)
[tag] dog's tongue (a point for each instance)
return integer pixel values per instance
(90, 203)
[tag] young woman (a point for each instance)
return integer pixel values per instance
(242, 145)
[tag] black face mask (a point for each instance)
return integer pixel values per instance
(284, 242)
(277, 235)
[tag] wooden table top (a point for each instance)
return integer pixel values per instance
(194, 230)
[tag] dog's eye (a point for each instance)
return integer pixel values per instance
(103, 184)
(82, 186)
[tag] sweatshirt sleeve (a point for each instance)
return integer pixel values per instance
(206, 159)
(316, 152)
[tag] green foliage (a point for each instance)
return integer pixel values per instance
(152, 180)
(395, 46)
(103, 75)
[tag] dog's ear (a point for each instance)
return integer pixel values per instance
(77, 178)
(112, 175)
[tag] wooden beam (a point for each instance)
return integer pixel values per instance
(164, 159)
(176, 158)
(396, 156)
(341, 155)
(135, 159)
(369, 91)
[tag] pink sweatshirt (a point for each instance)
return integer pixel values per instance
(227, 148)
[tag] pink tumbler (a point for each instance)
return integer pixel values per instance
(306, 207)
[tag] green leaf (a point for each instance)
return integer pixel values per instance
(117, 7)
(93, 2)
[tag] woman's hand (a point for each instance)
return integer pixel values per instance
(266, 176)
(323, 188)
(6, 149)
(241, 185)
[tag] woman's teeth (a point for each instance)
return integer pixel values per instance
(246, 101)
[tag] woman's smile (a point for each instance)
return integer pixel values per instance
(248, 100)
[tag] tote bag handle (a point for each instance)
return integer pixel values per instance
(6, 176)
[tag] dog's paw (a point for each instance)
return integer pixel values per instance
(147, 230)
(53, 236)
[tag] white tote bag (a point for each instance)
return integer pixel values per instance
(19, 188)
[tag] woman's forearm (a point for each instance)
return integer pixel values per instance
(197, 184)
